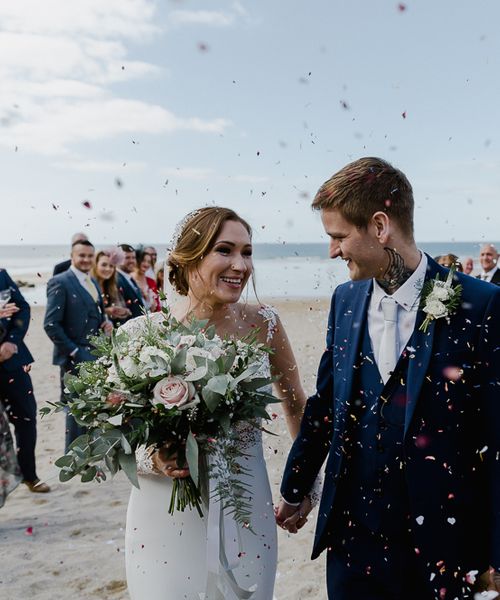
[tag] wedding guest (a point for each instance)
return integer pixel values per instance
(126, 283)
(449, 260)
(146, 284)
(65, 264)
(10, 474)
(104, 272)
(151, 250)
(160, 276)
(488, 259)
(468, 265)
(16, 389)
(74, 312)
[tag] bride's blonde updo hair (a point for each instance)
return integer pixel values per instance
(194, 240)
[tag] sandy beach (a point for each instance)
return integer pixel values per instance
(70, 543)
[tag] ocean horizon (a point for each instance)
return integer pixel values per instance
(293, 270)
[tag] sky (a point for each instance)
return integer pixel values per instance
(118, 117)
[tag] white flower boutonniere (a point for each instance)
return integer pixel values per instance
(439, 299)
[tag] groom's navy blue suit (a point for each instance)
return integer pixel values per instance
(412, 481)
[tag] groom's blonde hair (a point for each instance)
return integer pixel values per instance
(195, 240)
(364, 187)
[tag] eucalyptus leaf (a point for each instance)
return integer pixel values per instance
(211, 399)
(64, 461)
(88, 475)
(178, 363)
(129, 466)
(197, 374)
(218, 384)
(125, 445)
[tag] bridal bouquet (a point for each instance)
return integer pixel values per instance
(160, 383)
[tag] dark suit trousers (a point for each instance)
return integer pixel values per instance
(363, 565)
(73, 430)
(16, 393)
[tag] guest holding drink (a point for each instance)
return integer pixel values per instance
(104, 272)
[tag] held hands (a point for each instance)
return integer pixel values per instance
(292, 518)
(166, 463)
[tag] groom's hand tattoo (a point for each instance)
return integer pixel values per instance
(396, 273)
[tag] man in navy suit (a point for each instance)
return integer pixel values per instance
(407, 415)
(16, 389)
(488, 259)
(74, 312)
(66, 264)
(128, 287)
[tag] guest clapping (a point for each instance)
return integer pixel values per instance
(104, 272)
(146, 284)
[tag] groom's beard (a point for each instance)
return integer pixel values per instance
(395, 274)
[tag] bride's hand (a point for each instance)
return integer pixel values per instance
(166, 463)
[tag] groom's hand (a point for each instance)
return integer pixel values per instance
(292, 518)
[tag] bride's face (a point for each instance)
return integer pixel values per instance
(222, 275)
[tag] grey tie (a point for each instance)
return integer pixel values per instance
(389, 344)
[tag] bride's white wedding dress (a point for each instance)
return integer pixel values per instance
(183, 556)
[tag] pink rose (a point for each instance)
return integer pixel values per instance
(115, 398)
(174, 392)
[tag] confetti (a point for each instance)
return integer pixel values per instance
(87, 204)
(29, 530)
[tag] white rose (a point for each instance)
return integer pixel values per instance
(128, 366)
(441, 293)
(174, 392)
(435, 308)
(154, 361)
(112, 375)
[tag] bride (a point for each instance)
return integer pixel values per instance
(184, 556)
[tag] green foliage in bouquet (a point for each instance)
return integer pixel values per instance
(158, 382)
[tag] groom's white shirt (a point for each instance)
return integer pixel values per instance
(407, 298)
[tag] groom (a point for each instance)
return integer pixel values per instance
(409, 419)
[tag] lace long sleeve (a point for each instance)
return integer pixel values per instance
(143, 458)
(316, 490)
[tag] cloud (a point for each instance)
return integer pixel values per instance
(201, 17)
(58, 61)
(52, 127)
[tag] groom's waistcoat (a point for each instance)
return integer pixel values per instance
(372, 488)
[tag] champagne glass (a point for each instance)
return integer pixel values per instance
(4, 297)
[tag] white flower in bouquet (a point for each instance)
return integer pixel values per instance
(441, 291)
(174, 392)
(154, 361)
(129, 366)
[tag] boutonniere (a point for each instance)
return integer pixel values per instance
(439, 299)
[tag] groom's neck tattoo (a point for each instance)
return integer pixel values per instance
(396, 273)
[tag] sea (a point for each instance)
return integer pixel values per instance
(283, 270)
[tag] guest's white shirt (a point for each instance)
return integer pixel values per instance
(488, 275)
(82, 278)
(407, 298)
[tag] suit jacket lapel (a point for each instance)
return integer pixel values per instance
(422, 344)
(351, 318)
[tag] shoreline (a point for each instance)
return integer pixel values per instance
(70, 542)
